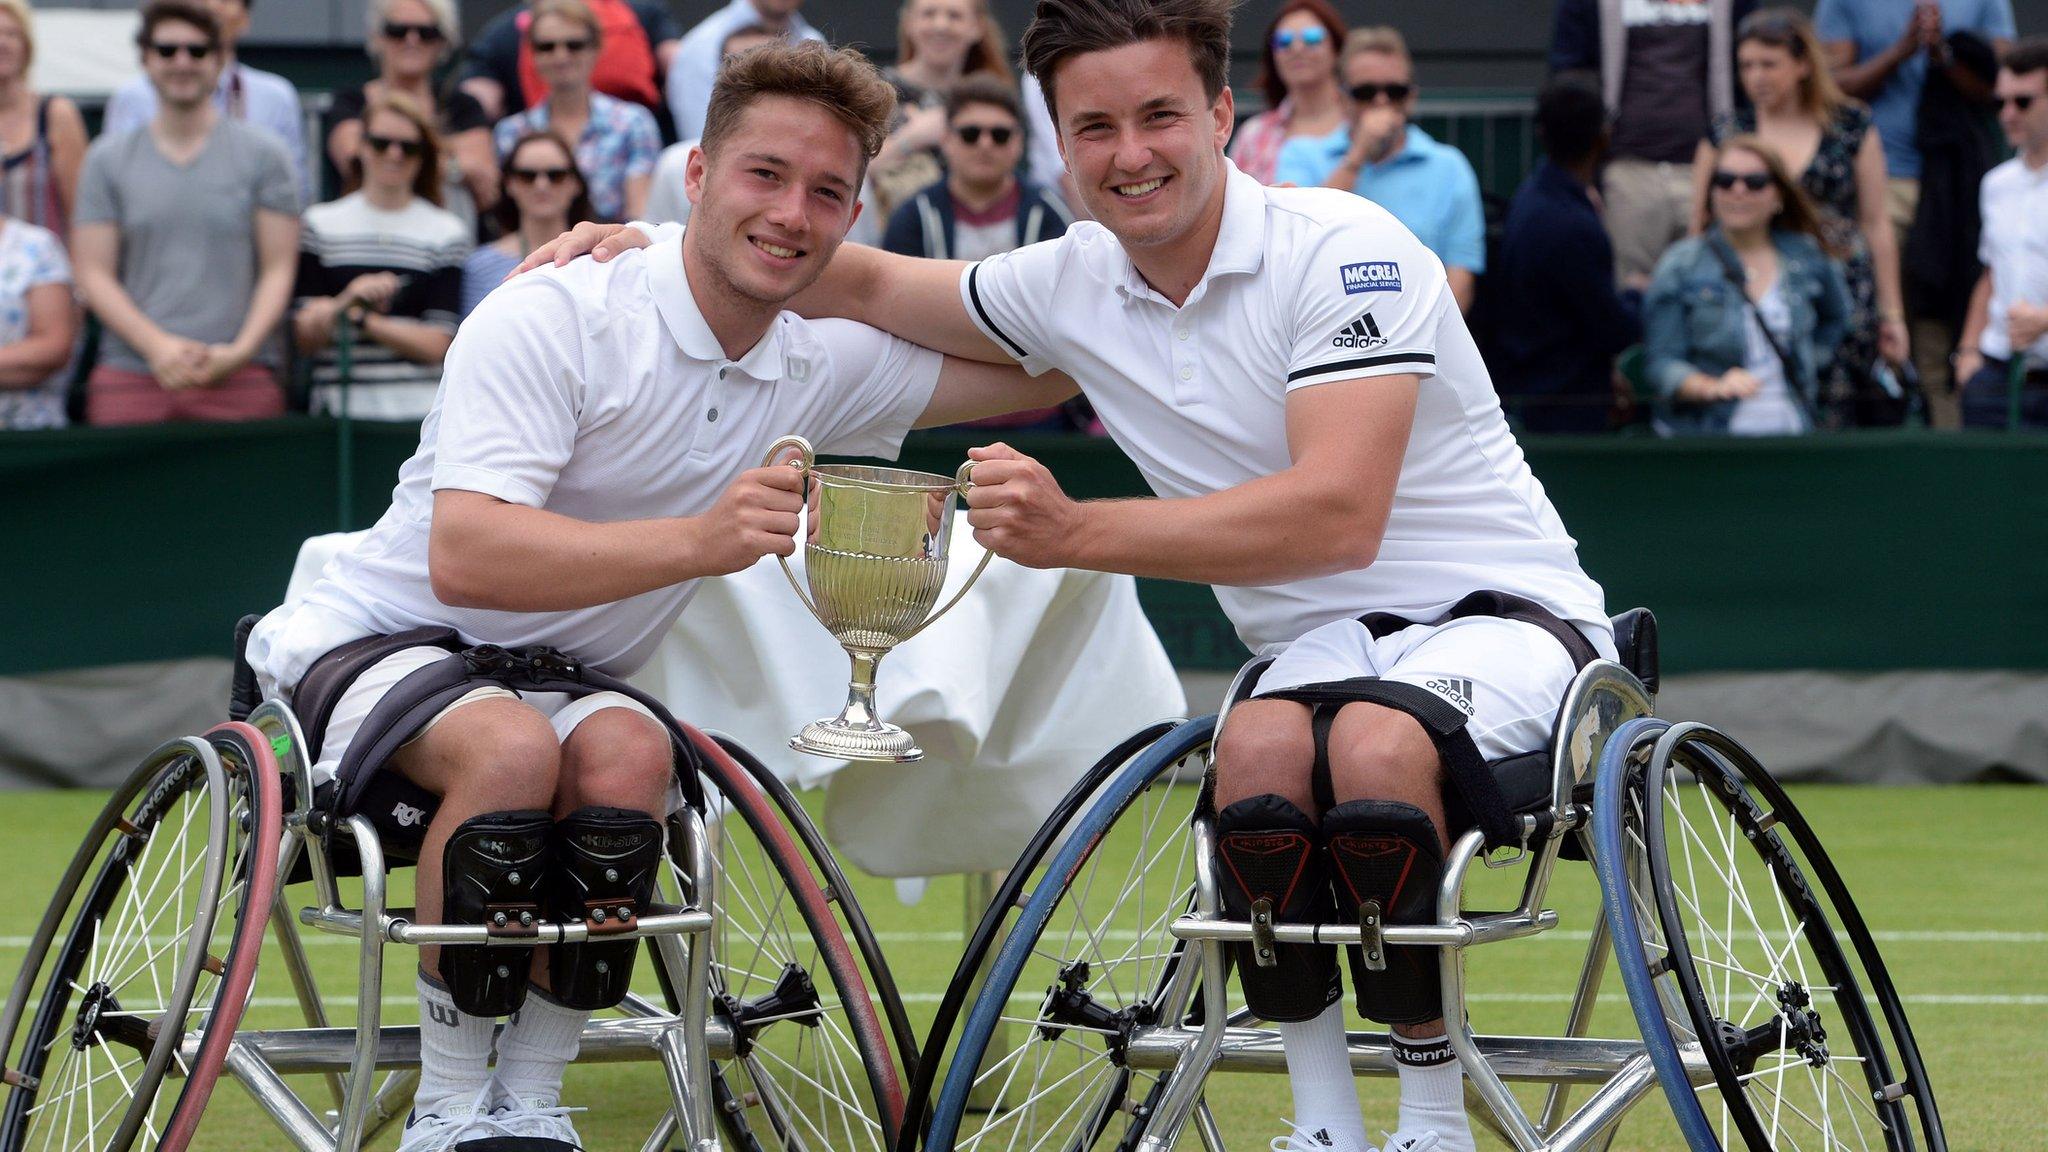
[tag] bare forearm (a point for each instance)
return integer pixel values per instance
(513, 558)
(115, 308)
(31, 361)
(418, 342)
(1884, 261)
(1866, 78)
(266, 309)
(906, 296)
(1271, 530)
(1978, 315)
(1464, 287)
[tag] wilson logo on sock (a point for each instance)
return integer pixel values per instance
(444, 1014)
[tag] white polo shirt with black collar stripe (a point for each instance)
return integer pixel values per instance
(1305, 287)
(599, 392)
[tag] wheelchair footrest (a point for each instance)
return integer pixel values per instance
(1462, 933)
(656, 920)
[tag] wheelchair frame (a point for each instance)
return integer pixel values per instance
(685, 1040)
(1171, 1030)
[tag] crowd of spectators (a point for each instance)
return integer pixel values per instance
(1744, 221)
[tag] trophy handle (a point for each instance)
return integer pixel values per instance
(806, 459)
(962, 481)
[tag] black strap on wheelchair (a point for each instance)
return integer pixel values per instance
(1504, 605)
(1469, 775)
(422, 694)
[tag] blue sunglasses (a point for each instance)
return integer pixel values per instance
(1309, 37)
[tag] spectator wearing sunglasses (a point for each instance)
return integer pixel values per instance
(1742, 319)
(982, 207)
(184, 244)
(1298, 78)
(1830, 142)
(2008, 314)
(666, 200)
(638, 43)
(1429, 187)
(409, 40)
(938, 44)
(544, 197)
(386, 262)
(264, 99)
(616, 142)
(1666, 68)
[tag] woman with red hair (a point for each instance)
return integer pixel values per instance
(1298, 76)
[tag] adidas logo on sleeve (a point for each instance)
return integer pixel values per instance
(1363, 332)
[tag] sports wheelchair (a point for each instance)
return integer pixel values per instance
(766, 1001)
(1760, 1004)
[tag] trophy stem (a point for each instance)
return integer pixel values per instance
(860, 692)
(858, 733)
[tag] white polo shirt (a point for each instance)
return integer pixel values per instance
(1305, 287)
(598, 391)
(2014, 246)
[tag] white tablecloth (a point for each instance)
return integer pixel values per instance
(1011, 695)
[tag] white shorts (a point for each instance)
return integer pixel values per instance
(563, 711)
(1509, 677)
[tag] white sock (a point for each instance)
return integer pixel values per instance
(538, 1044)
(1319, 1072)
(1432, 1093)
(455, 1050)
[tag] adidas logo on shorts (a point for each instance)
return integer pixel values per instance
(1457, 691)
(1362, 333)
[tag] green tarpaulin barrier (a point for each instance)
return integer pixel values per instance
(1861, 552)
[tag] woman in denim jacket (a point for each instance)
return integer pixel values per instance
(1714, 367)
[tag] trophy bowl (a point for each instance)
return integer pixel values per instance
(874, 562)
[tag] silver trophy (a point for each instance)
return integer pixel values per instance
(875, 560)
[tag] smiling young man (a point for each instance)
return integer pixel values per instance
(1290, 372)
(595, 450)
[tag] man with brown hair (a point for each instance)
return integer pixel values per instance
(1291, 374)
(594, 451)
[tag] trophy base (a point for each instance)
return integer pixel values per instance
(836, 741)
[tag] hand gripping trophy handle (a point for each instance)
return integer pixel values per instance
(872, 574)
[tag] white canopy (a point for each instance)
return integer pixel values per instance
(84, 54)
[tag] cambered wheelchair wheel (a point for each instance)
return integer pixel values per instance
(1761, 996)
(795, 975)
(142, 966)
(1088, 960)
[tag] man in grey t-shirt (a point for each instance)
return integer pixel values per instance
(185, 244)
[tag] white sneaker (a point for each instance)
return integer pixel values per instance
(547, 1127)
(450, 1128)
(1303, 1140)
(1420, 1142)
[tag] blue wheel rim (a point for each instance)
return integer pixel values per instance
(1089, 828)
(1610, 800)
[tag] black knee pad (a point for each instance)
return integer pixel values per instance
(605, 862)
(491, 874)
(1269, 867)
(1384, 863)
